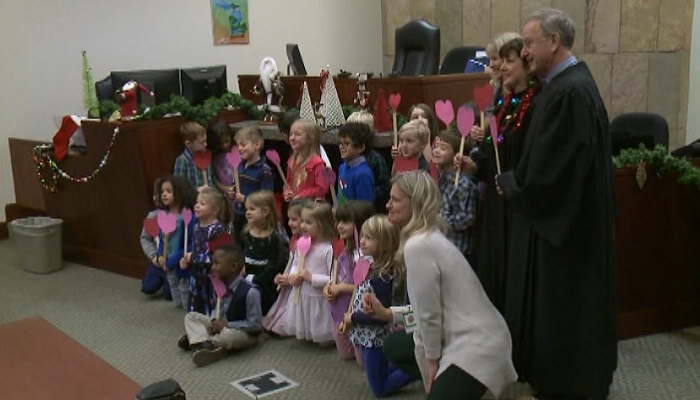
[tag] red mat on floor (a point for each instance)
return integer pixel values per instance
(40, 362)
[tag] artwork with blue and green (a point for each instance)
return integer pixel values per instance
(230, 17)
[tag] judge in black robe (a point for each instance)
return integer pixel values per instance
(561, 286)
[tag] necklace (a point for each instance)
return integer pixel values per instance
(511, 112)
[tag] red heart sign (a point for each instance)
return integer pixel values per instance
(402, 164)
(202, 159)
(434, 171)
(394, 100)
(445, 111)
(338, 246)
(483, 96)
(221, 240)
(150, 225)
(493, 125)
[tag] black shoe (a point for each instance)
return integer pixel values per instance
(183, 342)
(204, 357)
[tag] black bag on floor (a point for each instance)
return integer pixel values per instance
(168, 389)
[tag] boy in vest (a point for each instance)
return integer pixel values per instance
(240, 321)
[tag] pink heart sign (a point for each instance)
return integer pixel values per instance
(186, 215)
(493, 125)
(445, 111)
(218, 285)
(394, 101)
(202, 159)
(273, 156)
(329, 176)
(150, 225)
(359, 274)
(483, 96)
(234, 157)
(304, 244)
(166, 221)
(465, 120)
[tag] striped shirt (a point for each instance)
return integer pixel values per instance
(184, 166)
(253, 177)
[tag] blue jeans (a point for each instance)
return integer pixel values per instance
(155, 279)
(383, 377)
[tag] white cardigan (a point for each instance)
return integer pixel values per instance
(456, 322)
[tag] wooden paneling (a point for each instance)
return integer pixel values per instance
(28, 190)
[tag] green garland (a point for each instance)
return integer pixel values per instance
(203, 115)
(661, 162)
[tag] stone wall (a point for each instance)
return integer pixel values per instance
(638, 50)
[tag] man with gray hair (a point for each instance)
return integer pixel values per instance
(561, 282)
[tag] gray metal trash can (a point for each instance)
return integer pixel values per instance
(39, 243)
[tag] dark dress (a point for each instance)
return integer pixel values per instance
(202, 296)
(496, 218)
(561, 305)
(263, 262)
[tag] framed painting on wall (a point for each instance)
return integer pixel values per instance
(229, 22)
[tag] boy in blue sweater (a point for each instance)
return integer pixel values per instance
(355, 178)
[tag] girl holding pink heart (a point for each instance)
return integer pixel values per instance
(175, 195)
(379, 239)
(307, 316)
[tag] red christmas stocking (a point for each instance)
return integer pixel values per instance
(62, 137)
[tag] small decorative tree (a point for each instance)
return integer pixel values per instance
(89, 96)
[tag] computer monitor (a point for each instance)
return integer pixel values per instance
(296, 64)
(162, 82)
(201, 83)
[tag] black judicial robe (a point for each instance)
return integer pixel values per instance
(561, 288)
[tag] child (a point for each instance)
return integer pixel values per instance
(379, 240)
(376, 163)
(155, 278)
(285, 123)
(355, 178)
(213, 216)
(305, 168)
(238, 324)
(423, 112)
(253, 174)
(349, 217)
(307, 317)
(195, 138)
(274, 320)
(413, 138)
(262, 245)
(175, 194)
(220, 141)
(459, 203)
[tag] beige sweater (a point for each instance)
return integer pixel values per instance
(456, 322)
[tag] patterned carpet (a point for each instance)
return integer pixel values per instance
(137, 335)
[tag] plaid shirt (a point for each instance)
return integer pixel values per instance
(253, 177)
(184, 165)
(382, 178)
(458, 208)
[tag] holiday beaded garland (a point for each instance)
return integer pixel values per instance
(49, 173)
(511, 110)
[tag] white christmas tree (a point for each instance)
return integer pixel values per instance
(306, 109)
(331, 109)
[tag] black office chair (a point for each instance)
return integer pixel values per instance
(629, 130)
(296, 63)
(104, 89)
(417, 49)
(455, 61)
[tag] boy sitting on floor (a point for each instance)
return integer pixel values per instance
(240, 323)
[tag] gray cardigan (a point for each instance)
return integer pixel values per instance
(456, 322)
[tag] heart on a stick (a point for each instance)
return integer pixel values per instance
(465, 120)
(218, 285)
(186, 215)
(483, 96)
(221, 240)
(234, 157)
(338, 246)
(402, 164)
(202, 159)
(394, 101)
(166, 221)
(273, 156)
(359, 274)
(150, 225)
(304, 244)
(445, 111)
(493, 125)
(329, 177)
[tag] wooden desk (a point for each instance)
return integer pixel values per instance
(420, 89)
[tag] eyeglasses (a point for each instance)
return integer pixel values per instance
(344, 143)
(527, 43)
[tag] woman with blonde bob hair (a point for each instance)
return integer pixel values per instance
(462, 344)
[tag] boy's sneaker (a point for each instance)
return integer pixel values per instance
(204, 357)
(183, 342)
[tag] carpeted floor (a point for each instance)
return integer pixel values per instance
(108, 315)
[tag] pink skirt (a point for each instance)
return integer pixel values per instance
(274, 320)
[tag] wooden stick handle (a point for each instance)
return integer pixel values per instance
(396, 131)
(279, 169)
(352, 299)
(333, 196)
(298, 288)
(334, 267)
(218, 307)
(461, 153)
(206, 179)
(238, 184)
(165, 246)
(184, 244)
(286, 269)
